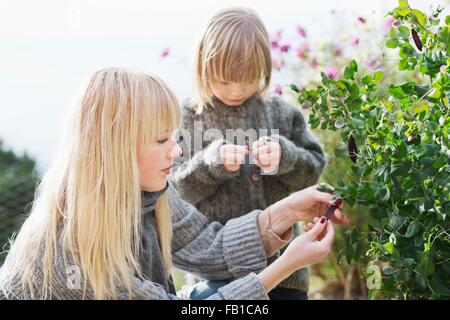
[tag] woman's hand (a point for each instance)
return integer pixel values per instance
(311, 247)
(308, 203)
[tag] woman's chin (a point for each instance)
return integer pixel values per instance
(156, 186)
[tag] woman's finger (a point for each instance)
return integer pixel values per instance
(328, 237)
(339, 218)
(317, 229)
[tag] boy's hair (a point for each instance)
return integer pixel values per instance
(234, 47)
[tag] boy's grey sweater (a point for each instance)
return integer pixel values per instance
(210, 250)
(202, 180)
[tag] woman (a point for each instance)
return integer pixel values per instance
(105, 224)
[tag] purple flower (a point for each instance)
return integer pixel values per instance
(442, 69)
(301, 31)
(355, 41)
(331, 72)
(302, 50)
(362, 19)
(165, 52)
(278, 89)
(285, 47)
(388, 23)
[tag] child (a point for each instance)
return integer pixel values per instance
(232, 74)
(106, 224)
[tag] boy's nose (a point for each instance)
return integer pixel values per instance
(176, 151)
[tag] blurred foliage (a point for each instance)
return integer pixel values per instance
(17, 184)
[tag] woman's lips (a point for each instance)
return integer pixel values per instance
(167, 170)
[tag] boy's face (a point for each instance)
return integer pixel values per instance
(234, 93)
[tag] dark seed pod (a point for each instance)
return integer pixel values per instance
(416, 39)
(352, 149)
(330, 211)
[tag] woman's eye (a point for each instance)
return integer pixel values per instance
(162, 141)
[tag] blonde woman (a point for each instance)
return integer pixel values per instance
(105, 223)
(232, 72)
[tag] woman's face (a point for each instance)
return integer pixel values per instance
(156, 161)
(234, 93)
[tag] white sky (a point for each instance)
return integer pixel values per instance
(47, 47)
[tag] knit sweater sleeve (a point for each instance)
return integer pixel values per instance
(198, 173)
(302, 157)
(212, 250)
(65, 288)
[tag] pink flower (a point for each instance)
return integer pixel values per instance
(338, 51)
(362, 19)
(285, 47)
(274, 44)
(165, 52)
(302, 50)
(442, 69)
(355, 41)
(301, 31)
(388, 23)
(278, 89)
(331, 72)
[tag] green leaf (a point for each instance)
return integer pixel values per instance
(447, 20)
(413, 229)
(294, 88)
(391, 43)
(389, 247)
(378, 76)
(395, 222)
(404, 30)
(421, 17)
(357, 123)
(314, 121)
(350, 70)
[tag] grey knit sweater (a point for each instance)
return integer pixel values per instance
(203, 181)
(210, 250)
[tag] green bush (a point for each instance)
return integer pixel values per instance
(17, 184)
(399, 167)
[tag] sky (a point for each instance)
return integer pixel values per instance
(47, 48)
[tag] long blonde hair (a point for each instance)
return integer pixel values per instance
(234, 47)
(89, 202)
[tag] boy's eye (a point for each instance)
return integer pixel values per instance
(162, 141)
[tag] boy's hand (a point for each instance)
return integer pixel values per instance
(232, 156)
(266, 155)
